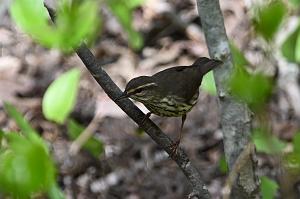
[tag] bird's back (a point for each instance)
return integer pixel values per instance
(184, 81)
(181, 81)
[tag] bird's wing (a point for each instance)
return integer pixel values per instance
(182, 81)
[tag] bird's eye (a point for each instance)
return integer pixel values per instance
(138, 90)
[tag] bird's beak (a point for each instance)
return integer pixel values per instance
(124, 95)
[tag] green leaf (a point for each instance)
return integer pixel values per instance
(32, 17)
(292, 162)
(135, 39)
(268, 188)
(60, 97)
(123, 10)
(297, 49)
(288, 47)
(269, 18)
(296, 143)
(75, 22)
(24, 125)
(208, 84)
(25, 168)
(237, 56)
(19, 119)
(55, 192)
(267, 143)
(25, 165)
(223, 166)
(252, 89)
(93, 145)
(295, 2)
(1, 136)
(134, 3)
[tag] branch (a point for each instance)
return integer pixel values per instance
(113, 91)
(240, 162)
(235, 116)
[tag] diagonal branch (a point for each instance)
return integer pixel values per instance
(113, 91)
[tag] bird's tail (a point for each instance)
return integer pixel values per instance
(206, 64)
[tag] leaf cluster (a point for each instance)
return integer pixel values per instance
(76, 21)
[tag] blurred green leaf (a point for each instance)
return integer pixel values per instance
(60, 97)
(295, 2)
(19, 119)
(134, 3)
(292, 159)
(253, 89)
(25, 168)
(269, 18)
(123, 10)
(1, 136)
(32, 17)
(296, 143)
(208, 84)
(237, 56)
(23, 124)
(223, 166)
(93, 145)
(288, 47)
(267, 143)
(297, 49)
(55, 192)
(75, 22)
(268, 188)
(135, 39)
(292, 162)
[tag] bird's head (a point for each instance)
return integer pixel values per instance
(207, 64)
(139, 88)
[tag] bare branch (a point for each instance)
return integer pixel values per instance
(235, 116)
(240, 163)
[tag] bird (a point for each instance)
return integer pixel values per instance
(172, 92)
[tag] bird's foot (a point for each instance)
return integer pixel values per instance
(174, 148)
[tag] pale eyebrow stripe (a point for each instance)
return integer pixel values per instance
(143, 86)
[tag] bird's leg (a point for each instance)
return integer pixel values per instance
(174, 147)
(146, 117)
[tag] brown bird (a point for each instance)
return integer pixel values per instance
(172, 92)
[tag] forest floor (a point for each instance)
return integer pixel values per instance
(132, 166)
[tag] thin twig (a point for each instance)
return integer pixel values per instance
(84, 136)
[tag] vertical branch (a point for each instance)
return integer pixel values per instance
(235, 116)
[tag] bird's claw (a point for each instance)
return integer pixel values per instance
(174, 148)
